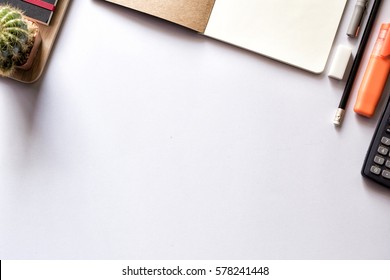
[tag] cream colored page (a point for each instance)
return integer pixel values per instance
(299, 32)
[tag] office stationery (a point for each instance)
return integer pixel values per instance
(41, 11)
(49, 35)
(376, 164)
(339, 117)
(357, 17)
(375, 76)
(43, 4)
(340, 62)
(299, 33)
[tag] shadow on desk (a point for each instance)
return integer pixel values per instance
(376, 188)
(20, 102)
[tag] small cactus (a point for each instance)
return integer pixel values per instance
(16, 39)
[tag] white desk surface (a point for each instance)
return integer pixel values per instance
(144, 140)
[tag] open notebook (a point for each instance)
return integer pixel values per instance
(296, 32)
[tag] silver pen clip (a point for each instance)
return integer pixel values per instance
(357, 17)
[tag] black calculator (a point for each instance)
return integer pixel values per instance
(377, 162)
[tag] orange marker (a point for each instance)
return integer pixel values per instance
(375, 77)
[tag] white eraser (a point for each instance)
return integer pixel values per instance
(340, 62)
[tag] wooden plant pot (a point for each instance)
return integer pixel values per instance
(33, 53)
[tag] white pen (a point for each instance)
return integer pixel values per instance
(357, 16)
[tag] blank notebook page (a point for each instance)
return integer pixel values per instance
(296, 32)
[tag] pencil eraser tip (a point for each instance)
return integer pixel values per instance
(340, 62)
(339, 117)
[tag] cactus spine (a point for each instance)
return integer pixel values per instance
(16, 39)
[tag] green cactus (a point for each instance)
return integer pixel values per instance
(16, 39)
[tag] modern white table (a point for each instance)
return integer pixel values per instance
(144, 140)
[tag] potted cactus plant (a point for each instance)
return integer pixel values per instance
(19, 40)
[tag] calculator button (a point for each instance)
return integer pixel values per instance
(376, 170)
(387, 163)
(388, 130)
(380, 160)
(385, 141)
(386, 174)
(383, 150)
